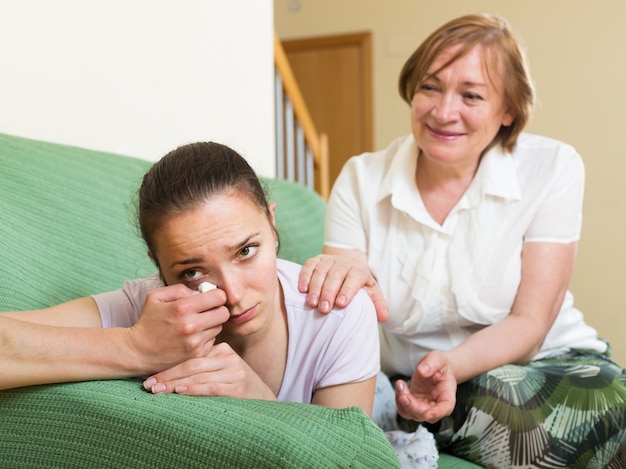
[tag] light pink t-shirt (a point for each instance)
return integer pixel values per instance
(324, 350)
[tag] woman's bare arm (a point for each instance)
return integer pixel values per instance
(82, 312)
(546, 272)
(359, 394)
(67, 343)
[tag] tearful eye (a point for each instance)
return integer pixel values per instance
(192, 274)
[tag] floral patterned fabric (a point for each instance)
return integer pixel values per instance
(415, 448)
(568, 411)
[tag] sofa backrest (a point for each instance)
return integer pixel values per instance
(300, 215)
(67, 222)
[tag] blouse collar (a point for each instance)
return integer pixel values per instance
(496, 176)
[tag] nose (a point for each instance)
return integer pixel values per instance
(445, 108)
(232, 286)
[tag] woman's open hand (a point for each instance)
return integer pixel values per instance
(432, 393)
(222, 372)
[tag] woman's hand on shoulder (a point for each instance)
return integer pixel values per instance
(222, 372)
(432, 392)
(177, 324)
(333, 278)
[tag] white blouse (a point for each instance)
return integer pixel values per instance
(444, 282)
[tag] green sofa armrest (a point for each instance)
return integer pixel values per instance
(118, 424)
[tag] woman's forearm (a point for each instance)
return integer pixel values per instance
(546, 272)
(39, 354)
(67, 342)
(516, 339)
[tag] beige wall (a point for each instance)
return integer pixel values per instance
(577, 56)
(141, 77)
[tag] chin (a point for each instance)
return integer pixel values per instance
(239, 331)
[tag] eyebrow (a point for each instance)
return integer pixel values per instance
(234, 247)
(193, 260)
(465, 83)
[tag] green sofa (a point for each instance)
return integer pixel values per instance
(67, 231)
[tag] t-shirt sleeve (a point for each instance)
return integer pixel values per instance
(559, 218)
(354, 347)
(122, 308)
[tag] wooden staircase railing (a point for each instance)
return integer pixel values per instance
(301, 151)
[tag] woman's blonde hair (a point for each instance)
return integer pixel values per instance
(507, 59)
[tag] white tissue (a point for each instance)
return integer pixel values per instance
(205, 287)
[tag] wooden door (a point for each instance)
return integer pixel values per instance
(335, 77)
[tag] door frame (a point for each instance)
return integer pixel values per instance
(361, 40)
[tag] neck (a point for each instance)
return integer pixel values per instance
(432, 174)
(442, 186)
(265, 351)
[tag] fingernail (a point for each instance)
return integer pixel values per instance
(341, 300)
(314, 299)
(325, 306)
(180, 389)
(160, 387)
(147, 384)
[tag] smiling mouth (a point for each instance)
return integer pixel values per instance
(443, 133)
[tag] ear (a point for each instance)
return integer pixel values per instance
(271, 206)
(507, 119)
(154, 260)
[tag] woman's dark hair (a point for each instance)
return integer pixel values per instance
(186, 178)
(505, 56)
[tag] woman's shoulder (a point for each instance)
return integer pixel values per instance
(542, 146)
(136, 287)
(288, 273)
(539, 155)
(140, 287)
(122, 307)
(384, 157)
(295, 301)
(366, 175)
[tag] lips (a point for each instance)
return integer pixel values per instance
(443, 134)
(243, 317)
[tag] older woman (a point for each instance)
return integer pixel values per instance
(467, 230)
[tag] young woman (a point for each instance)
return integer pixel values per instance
(205, 218)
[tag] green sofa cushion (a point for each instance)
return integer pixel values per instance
(117, 424)
(67, 232)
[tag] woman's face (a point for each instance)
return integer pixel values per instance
(231, 243)
(458, 112)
